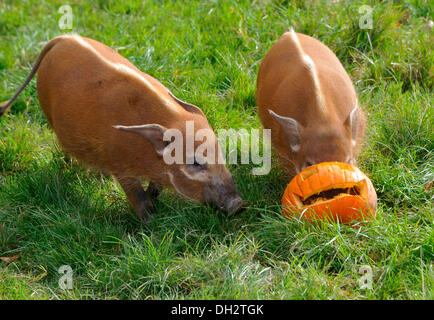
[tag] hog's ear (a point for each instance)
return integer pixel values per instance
(352, 123)
(187, 106)
(291, 128)
(154, 133)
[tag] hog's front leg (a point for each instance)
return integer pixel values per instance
(139, 199)
(153, 190)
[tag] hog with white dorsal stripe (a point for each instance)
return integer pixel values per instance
(307, 99)
(110, 115)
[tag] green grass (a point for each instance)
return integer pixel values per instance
(54, 212)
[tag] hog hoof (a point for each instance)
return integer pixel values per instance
(145, 218)
(146, 210)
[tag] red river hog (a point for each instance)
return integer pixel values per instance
(307, 99)
(111, 116)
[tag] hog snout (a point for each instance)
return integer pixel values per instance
(225, 197)
(235, 206)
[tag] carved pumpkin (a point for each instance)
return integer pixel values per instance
(330, 190)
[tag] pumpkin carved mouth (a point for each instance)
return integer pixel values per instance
(330, 194)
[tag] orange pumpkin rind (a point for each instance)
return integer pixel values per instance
(356, 198)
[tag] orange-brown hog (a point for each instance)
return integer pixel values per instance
(110, 115)
(307, 99)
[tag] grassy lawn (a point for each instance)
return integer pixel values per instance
(55, 212)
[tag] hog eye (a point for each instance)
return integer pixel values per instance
(198, 166)
(308, 164)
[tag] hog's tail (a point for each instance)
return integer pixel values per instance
(4, 107)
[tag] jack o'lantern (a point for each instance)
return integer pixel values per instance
(330, 190)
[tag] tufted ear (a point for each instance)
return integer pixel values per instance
(352, 123)
(187, 106)
(154, 133)
(291, 128)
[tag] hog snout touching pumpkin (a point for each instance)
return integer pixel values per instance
(307, 99)
(110, 115)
